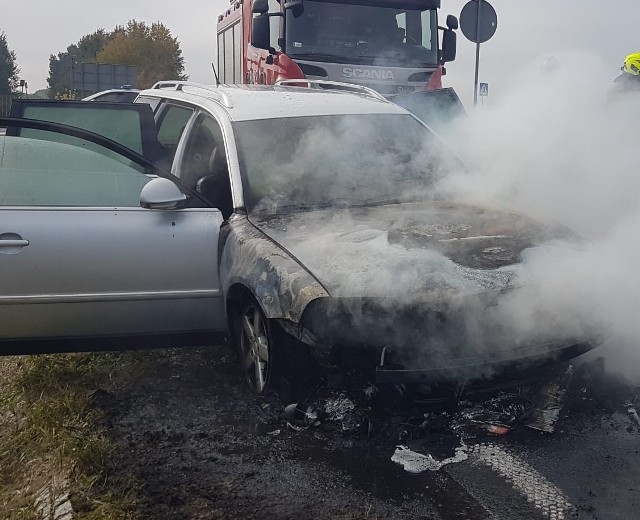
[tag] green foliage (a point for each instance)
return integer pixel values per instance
(67, 94)
(8, 68)
(152, 49)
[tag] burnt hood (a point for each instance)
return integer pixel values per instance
(410, 249)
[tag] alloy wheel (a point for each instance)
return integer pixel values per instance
(254, 346)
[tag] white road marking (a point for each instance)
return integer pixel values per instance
(545, 496)
(542, 494)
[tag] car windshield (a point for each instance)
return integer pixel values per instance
(362, 34)
(297, 163)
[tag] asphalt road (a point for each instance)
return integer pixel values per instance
(203, 447)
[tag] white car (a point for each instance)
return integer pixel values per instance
(124, 94)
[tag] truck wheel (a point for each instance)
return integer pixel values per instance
(254, 341)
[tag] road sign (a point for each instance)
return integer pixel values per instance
(484, 89)
(478, 21)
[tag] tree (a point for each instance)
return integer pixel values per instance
(8, 68)
(152, 49)
(85, 51)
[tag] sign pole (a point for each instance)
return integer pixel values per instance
(478, 21)
(475, 84)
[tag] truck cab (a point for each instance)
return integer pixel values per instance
(391, 46)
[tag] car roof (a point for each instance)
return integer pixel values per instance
(251, 102)
(127, 90)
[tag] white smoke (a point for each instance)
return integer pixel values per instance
(562, 147)
(558, 148)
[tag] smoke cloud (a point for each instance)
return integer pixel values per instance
(563, 146)
(550, 193)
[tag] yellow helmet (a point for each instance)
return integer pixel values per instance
(632, 64)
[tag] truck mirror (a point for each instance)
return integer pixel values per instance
(452, 22)
(260, 36)
(296, 7)
(260, 6)
(449, 43)
(290, 4)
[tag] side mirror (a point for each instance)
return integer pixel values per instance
(449, 43)
(260, 6)
(161, 193)
(290, 4)
(295, 6)
(452, 22)
(260, 35)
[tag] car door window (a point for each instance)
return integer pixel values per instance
(35, 172)
(204, 167)
(172, 122)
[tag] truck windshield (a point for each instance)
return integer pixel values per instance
(298, 163)
(362, 34)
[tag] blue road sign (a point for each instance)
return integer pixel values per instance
(484, 89)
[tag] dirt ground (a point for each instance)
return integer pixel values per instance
(194, 443)
(204, 447)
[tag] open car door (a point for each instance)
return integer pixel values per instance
(83, 265)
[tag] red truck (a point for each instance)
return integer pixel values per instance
(391, 46)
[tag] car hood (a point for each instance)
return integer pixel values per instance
(409, 250)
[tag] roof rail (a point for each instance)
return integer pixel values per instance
(223, 96)
(319, 83)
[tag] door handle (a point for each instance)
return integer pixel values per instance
(14, 243)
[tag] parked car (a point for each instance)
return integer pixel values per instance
(289, 218)
(124, 94)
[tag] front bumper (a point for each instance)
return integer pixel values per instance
(475, 367)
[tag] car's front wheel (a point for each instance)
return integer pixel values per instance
(254, 341)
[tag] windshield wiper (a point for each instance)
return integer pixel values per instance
(381, 200)
(339, 203)
(292, 208)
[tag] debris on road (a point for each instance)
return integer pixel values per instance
(338, 407)
(497, 430)
(497, 415)
(300, 417)
(631, 410)
(415, 462)
(546, 411)
(341, 409)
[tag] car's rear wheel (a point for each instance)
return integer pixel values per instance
(254, 341)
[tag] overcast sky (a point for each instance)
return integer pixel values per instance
(528, 31)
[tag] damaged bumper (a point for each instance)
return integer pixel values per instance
(441, 341)
(480, 367)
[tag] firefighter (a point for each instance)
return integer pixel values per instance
(629, 80)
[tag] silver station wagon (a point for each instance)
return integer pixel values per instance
(297, 220)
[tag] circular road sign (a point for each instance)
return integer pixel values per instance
(469, 21)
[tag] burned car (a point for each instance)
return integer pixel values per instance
(290, 218)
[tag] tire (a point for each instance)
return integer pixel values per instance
(254, 342)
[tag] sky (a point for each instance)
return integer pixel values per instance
(528, 31)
